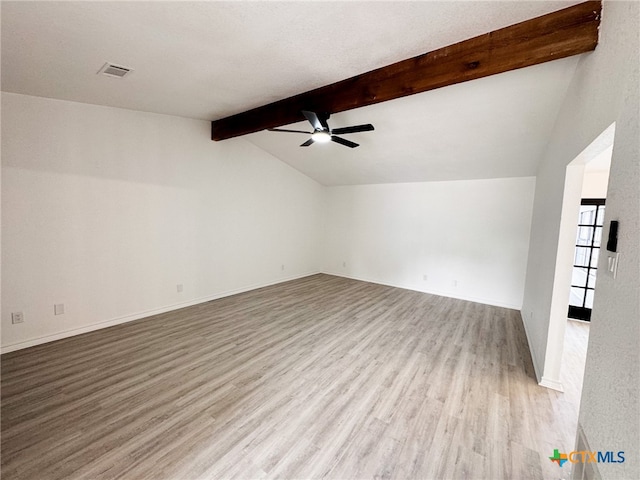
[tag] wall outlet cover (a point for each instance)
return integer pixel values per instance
(612, 264)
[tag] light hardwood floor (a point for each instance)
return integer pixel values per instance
(322, 377)
(574, 356)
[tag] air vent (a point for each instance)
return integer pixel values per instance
(112, 70)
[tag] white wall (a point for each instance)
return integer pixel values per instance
(473, 232)
(604, 90)
(594, 184)
(106, 210)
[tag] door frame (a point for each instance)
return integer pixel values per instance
(565, 250)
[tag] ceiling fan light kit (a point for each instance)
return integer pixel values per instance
(323, 134)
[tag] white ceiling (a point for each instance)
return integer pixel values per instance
(207, 60)
(491, 127)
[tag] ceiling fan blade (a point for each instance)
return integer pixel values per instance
(313, 119)
(285, 130)
(344, 142)
(307, 143)
(318, 122)
(323, 120)
(356, 128)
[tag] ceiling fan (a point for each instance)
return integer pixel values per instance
(322, 133)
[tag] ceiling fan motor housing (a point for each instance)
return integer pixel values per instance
(322, 133)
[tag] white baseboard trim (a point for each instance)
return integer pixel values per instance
(532, 351)
(484, 301)
(138, 315)
(552, 384)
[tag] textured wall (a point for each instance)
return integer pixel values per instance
(610, 407)
(603, 91)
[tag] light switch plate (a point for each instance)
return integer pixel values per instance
(612, 263)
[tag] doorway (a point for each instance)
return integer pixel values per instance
(586, 178)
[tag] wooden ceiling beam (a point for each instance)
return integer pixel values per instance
(560, 34)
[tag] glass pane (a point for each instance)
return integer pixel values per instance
(597, 238)
(600, 219)
(587, 214)
(592, 279)
(595, 254)
(589, 299)
(584, 235)
(579, 277)
(582, 256)
(576, 298)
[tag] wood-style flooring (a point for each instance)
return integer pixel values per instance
(322, 377)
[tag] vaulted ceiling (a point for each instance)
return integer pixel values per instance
(208, 60)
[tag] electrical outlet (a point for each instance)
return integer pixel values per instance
(455, 283)
(17, 317)
(58, 309)
(179, 288)
(282, 268)
(344, 264)
(424, 277)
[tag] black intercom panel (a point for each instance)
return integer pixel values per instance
(612, 242)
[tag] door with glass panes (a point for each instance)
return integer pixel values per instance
(588, 241)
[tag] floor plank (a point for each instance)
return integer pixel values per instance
(322, 377)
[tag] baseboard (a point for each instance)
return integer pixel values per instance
(541, 379)
(484, 301)
(552, 384)
(534, 358)
(138, 315)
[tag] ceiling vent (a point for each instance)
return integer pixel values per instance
(111, 70)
